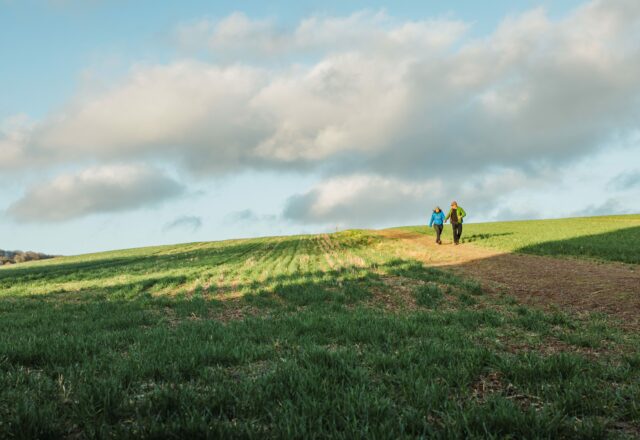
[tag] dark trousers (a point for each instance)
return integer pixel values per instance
(457, 232)
(438, 229)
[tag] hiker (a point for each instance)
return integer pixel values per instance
(437, 221)
(456, 214)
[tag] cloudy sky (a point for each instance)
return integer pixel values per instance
(125, 124)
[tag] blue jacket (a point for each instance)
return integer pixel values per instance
(437, 218)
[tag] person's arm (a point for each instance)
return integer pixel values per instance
(447, 217)
(431, 221)
(462, 214)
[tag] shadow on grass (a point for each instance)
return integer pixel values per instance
(575, 284)
(478, 237)
(622, 245)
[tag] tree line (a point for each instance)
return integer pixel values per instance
(13, 257)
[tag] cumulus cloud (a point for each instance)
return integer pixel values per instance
(94, 190)
(238, 35)
(368, 200)
(186, 110)
(406, 104)
(249, 216)
(373, 99)
(366, 30)
(231, 35)
(625, 181)
(188, 222)
(611, 206)
(15, 132)
(360, 199)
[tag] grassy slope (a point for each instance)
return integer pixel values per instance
(611, 238)
(297, 337)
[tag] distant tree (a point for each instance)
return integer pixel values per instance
(12, 257)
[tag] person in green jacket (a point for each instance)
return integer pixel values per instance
(456, 214)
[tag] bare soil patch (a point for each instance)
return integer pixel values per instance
(571, 284)
(495, 384)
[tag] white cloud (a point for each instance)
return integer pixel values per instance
(15, 132)
(369, 200)
(250, 216)
(94, 190)
(238, 36)
(366, 30)
(360, 200)
(520, 95)
(188, 222)
(611, 206)
(625, 181)
(332, 109)
(403, 101)
(187, 110)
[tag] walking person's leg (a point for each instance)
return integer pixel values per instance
(438, 233)
(457, 231)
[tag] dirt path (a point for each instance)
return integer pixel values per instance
(572, 284)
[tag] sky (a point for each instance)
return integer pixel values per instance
(126, 124)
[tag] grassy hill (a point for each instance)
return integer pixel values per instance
(340, 335)
(608, 238)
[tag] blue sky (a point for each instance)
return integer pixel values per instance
(125, 124)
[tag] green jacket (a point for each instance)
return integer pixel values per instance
(461, 214)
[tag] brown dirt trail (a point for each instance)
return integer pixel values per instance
(572, 284)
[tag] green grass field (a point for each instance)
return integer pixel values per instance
(609, 238)
(307, 337)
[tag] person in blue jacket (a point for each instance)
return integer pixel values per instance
(437, 221)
